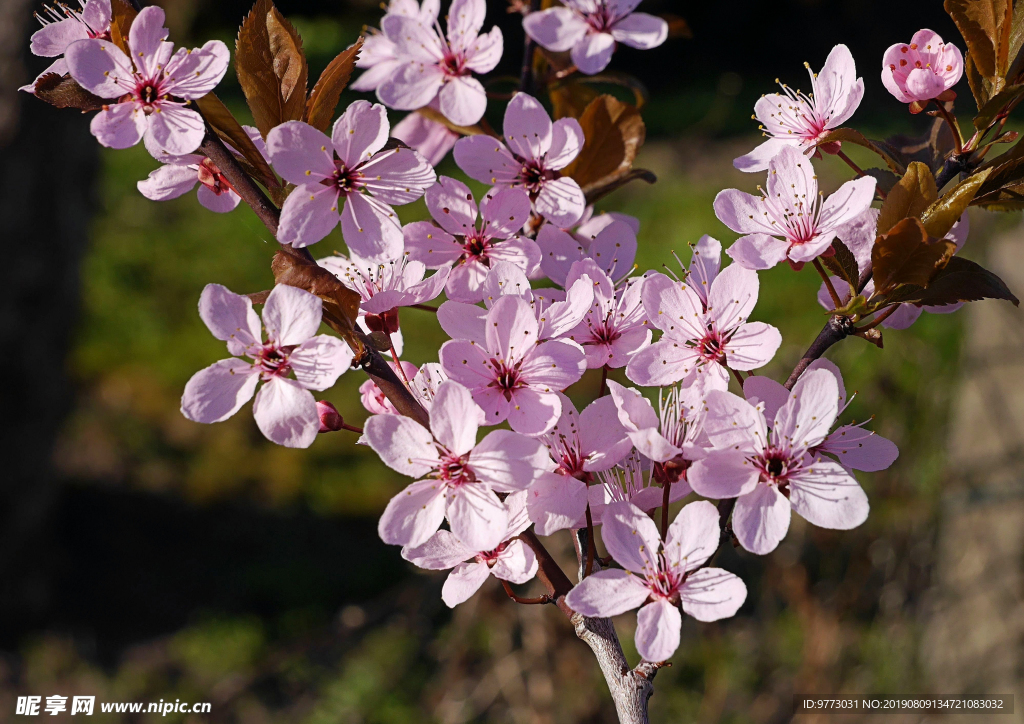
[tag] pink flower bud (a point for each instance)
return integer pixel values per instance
(330, 419)
(924, 69)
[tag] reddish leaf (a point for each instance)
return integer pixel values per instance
(121, 19)
(64, 92)
(230, 130)
(914, 193)
(613, 133)
(962, 280)
(323, 99)
(906, 255)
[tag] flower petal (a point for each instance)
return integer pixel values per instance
(217, 392)
(556, 502)
(609, 592)
(402, 444)
(360, 132)
(464, 580)
(657, 630)
(286, 413)
(413, 515)
(760, 519)
(712, 594)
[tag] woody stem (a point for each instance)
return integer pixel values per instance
(951, 122)
(664, 508)
(879, 319)
(591, 547)
(828, 284)
(519, 599)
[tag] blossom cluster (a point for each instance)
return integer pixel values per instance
(539, 289)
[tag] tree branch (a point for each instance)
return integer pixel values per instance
(526, 74)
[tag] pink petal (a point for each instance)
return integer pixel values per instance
(693, 536)
(849, 201)
(463, 100)
(602, 436)
(413, 40)
(827, 495)
(454, 418)
(300, 153)
(516, 564)
(923, 84)
(791, 176)
(527, 127)
(431, 139)
(428, 244)
(399, 176)
(592, 54)
(485, 53)
(712, 594)
(743, 213)
(402, 444)
(609, 592)
(560, 318)
(614, 248)
(825, 364)
(53, 39)
(465, 18)
(722, 474)
(860, 449)
(376, 74)
(451, 204)
(486, 160)
(752, 345)
(467, 363)
(733, 296)
(657, 630)
(320, 361)
(518, 519)
(561, 202)
(508, 461)
(566, 143)
(557, 29)
(370, 228)
(730, 421)
(286, 413)
(760, 519)
(477, 517)
(146, 37)
(630, 536)
(556, 502)
(119, 126)
(100, 67)
(640, 30)
(175, 131)
(758, 251)
(759, 158)
(506, 278)
(360, 132)
(309, 214)
(673, 307)
(217, 392)
(199, 72)
(663, 363)
(413, 515)
(704, 266)
(168, 182)
(811, 249)
(837, 89)
(411, 86)
(464, 580)
(504, 212)
(220, 203)
(554, 365)
(462, 321)
(522, 252)
(511, 328)
(532, 412)
(764, 389)
(812, 407)
(230, 317)
(291, 315)
(441, 552)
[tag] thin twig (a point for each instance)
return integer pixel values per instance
(591, 546)
(879, 319)
(424, 307)
(953, 126)
(604, 382)
(828, 284)
(519, 599)
(664, 508)
(858, 170)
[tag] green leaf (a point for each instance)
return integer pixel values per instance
(914, 193)
(939, 218)
(849, 135)
(962, 280)
(905, 255)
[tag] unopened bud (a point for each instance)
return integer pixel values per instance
(387, 322)
(330, 418)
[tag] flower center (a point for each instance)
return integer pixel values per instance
(776, 466)
(211, 177)
(455, 470)
(532, 176)
(476, 245)
(453, 64)
(491, 557)
(148, 94)
(506, 378)
(346, 180)
(712, 347)
(273, 361)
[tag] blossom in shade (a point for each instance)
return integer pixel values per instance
(801, 121)
(580, 443)
(433, 64)
(180, 174)
(285, 410)
(431, 139)
(460, 478)
(510, 374)
(615, 327)
(537, 150)
(672, 439)
(791, 220)
(348, 178)
(511, 560)
(154, 86)
(700, 343)
(660, 577)
(859, 237)
(630, 481)
(379, 56)
(608, 239)
(589, 29)
(852, 445)
(373, 398)
(923, 69)
(558, 312)
(64, 25)
(472, 240)
(773, 472)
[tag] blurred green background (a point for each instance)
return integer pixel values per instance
(173, 560)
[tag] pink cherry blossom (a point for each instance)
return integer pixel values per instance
(700, 343)
(64, 25)
(630, 481)
(801, 121)
(589, 29)
(512, 560)
(435, 65)
(580, 443)
(615, 328)
(510, 374)
(469, 239)
(539, 150)
(285, 411)
(923, 69)
(431, 139)
(558, 312)
(791, 220)
(155, 86)
(380, 57)
(772, 472)
(659, 578)
(460, 477)
(327, 171)
(852, 445)
(859, 237)
(180, 174)
(608, 239)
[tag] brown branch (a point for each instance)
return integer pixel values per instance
(835, 330)
(519, 599)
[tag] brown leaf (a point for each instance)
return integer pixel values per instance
(914, 193)
(985, 25)
(962, 280)
(677, 26)
(271, 67)
(230, 130)
(121, 18)
(602, 188)
(930, 149)
(906, 255)
(613, 133)
(842, 263)
(939, 218)
(341, 304)
(64, 92)
(323, 99)
(570, 99)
